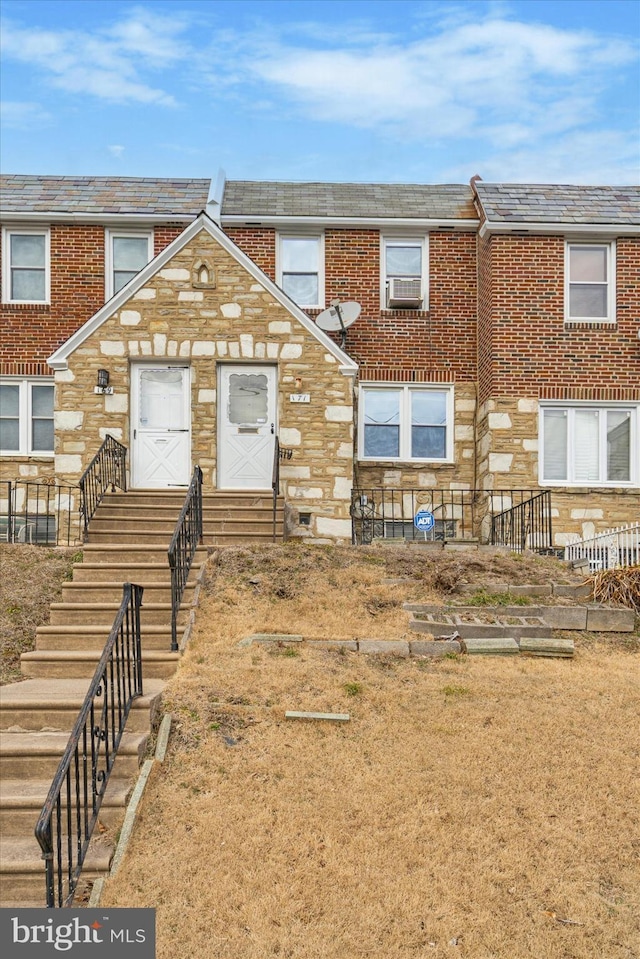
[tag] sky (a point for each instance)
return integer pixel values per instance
(413, 91)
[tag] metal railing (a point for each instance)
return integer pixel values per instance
(279, 453)
(39, 513)
(187, 536)
(71, 808)
(527, 525)
(458, 514)
(611, 549)
(107, 470)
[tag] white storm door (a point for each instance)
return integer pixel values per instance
(160, 426)
(247, 426)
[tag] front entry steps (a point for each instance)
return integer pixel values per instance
(229, 518)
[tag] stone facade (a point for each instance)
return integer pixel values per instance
(233, 319)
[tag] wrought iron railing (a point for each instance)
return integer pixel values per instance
(526, 525)
(187, 536)
(279, 453)
(107, 470)
(71, 809)
(460, 514)
(39, 513)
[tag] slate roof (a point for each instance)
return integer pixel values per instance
(555, 203)
(101, 194)
(253, 199)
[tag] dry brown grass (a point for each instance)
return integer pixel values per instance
(480, 802)
(31, 578)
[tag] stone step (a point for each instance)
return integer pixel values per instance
(244, 499)
(156, 614)
(21, 801)
(141, 573)
(136, 552)
(79, 663)
(46, 705)
(36, 755)
(241, 532)
(139, 514)
(111, 592)
(80, 636)
(129, 525)
(22, 876)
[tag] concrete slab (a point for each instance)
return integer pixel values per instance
(581, 591)
(565, 617)
(481, 646)
(551, 648)
(275, 638)
(545, 590)
(331, 717)
(350, 645)
(600, 619)
(434, 648)
(383, 647)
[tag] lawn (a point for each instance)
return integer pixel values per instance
(477, 807)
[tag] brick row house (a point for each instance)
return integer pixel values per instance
(496, 349)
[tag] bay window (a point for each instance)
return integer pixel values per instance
(406, 423)
(589, 445)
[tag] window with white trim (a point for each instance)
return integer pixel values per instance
(127, 253)
(404, 272)
(406, 423)
(26, 266)
(589, 445)
(301, 269)
(590, 282)
(26, 417)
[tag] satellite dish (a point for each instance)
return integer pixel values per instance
(339, 317)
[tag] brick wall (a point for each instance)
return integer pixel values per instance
(30, 332)
(416, 345)
(529, 347)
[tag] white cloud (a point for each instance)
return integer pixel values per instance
(116, 150)
(109, 63)
(23, 115)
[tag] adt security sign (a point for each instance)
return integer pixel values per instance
(424, 520)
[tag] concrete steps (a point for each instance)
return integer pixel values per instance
(128, 541)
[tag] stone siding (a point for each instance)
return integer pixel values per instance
(233, 319)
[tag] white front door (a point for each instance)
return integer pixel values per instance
(246, 426)
(160, 426)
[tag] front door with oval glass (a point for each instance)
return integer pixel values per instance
(160, 426)
(246, 426)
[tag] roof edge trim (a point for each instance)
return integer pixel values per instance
(610, 229)
(236, 219)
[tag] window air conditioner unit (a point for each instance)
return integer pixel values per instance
(403, 292)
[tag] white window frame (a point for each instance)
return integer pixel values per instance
(405, 421)
(281, 238)
(610, 247)
(7, 233)
(25, 414)
(570, 408)
(421, 240)
(112, 234)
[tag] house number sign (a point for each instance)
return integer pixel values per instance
(300, 397)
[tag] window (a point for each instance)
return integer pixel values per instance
(26, 266)
(588, 445)
(127, 254)
(589, 282)
(405, 423)
(404, 274)
(300, 272)
(26, 417)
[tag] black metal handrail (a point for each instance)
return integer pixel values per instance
(279, 453)
(187, 536)
(71, 808)
(39, 513)
(107, 469)
(382, 512)
(527, 525)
